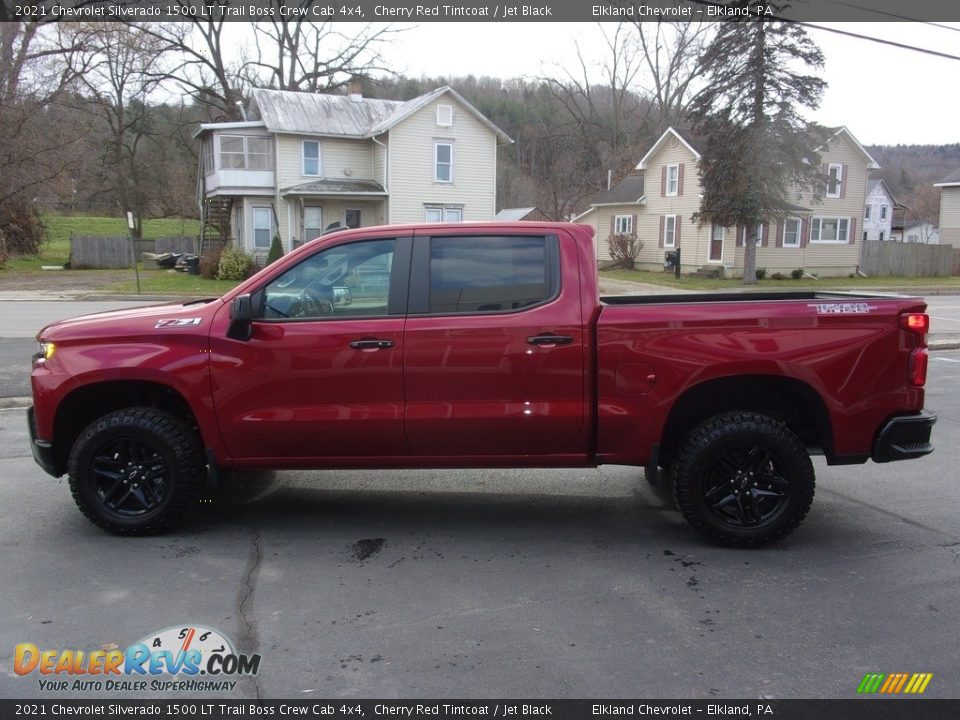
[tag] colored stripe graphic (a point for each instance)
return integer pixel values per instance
(894, 683)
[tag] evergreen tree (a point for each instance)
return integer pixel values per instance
(758, 153)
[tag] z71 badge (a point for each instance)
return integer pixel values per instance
(177, 322)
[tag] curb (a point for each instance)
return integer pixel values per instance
(16, 403)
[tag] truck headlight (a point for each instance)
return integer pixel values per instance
(47, 349)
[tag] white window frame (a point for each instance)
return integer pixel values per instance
(866, 212)
(246, 153)
(623, 224)
(303, 159)
(436, 161)
(673, 184)
(253, 226)
(883, 212)
(816, 230)
(309, 236)
(445, 115)
(913, 238)
(881, 235)
(448, 213)
(839, 168)
(783, 240)
(669, 233)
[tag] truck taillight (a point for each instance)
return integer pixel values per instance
(915, 322)
(918, 367)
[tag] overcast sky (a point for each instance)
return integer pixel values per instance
(883, 94)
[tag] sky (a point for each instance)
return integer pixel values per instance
(884, 95)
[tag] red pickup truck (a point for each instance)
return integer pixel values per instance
(479, 345)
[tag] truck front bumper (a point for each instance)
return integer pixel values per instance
(42, 449)
(904, 437)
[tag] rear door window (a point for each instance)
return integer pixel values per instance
(491, 274)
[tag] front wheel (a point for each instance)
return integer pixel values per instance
(744, 479)
(136, 471)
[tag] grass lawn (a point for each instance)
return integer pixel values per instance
(689, 282)
(57, 250)
(163, 282)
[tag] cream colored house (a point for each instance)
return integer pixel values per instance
(950, 209)
(307, 162)
(656, 203)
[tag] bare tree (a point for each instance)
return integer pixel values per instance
(673, 54)
(295, 53)
(119, 81)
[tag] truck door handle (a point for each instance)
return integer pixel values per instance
(371, 344)
(550, 340)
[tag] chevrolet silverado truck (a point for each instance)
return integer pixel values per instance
(479, 345)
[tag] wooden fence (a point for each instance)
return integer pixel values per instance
(886, 259)
(115, 251)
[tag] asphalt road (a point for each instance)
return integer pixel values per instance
(506, 583)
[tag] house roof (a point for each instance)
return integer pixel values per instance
(514, 213)
(950, 180)
(285, 111)
(336, 187)
(873, 184)
(684, 135)
(628, 190)
(871, 163)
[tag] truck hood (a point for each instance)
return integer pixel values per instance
(189, 317)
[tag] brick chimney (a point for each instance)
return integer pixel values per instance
(355, 91)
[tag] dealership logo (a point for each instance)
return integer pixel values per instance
(184, 652)
(894, 683)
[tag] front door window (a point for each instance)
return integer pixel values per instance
(352, 218)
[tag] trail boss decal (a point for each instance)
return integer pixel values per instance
(842, 308)
(177, 322)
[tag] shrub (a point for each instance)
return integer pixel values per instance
(778, 276)
(761, 273)
(276, 250)
(796, 274)
(21, 227)
(624, 250)
(235, 264)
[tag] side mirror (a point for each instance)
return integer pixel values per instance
(342, 296)
(241, 316)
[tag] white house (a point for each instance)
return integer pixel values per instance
(916, 231)
(878, 211)
(305, 162)
(950, 208)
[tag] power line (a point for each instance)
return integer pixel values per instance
(881, 41)
(893, 15)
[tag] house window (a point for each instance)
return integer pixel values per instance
(445, 115)
(673, 179)
(834, 179)
(791, 233)
(829, 230)
(443, 162)
(623, 225)
(883, 212)
(208, 157)
(442, 213)
(312, 222)
(311, 158)
(865, 236)
(262, 227)
(881, 235)
(866, 212)
(759, 234)
(913, 238)
(245, 152)
(669, 230)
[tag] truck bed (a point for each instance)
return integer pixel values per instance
(732, 297)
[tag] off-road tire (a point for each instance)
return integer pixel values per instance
(717, 494)
(169, 453)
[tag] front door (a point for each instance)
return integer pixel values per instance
(312, 222)
(716, 243)
(321, 374)
(493, 362)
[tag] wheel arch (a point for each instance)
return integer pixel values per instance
(793, 402)
(86, 403)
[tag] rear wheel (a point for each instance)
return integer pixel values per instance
(744, 479)
(136, 471)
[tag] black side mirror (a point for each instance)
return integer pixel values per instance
(242, 314)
